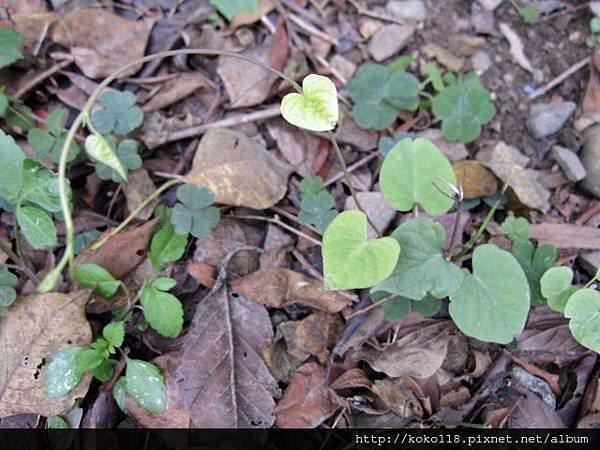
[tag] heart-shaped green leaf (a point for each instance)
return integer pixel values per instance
(316, 109)
(493, 303)
(556, 287)
(421, 268)
(583, 308)
(416, 172)
(350, 261)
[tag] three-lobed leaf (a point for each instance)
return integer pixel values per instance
(416, 172)
(534, 261)
(350, 261)
(119, 113)
(146, 385)
(421, 268)
(316, 108)
(493, 302)
(195, 213)
(517, 228)
(316, 206)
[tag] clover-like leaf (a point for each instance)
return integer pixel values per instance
(316, 109)
(146, 385)
(421, 268)
(195, 213)
(162, 311)
(118, 115)
(229, 8)
(8, 281)
(98, 278)
(517, 228)
(534, 261)
(583, 308)
(316, 206)
(350, 261)
(379, 94)
(127, 157)
(556, 287)
(11, 168)
(37, 226)
(52, 141)
(463, 107)
(493, 302)
(416, 172)
(10, 46)
(61, 374)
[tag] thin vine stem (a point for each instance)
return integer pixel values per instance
(84, 118)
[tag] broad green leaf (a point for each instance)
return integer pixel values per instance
(556, 287)
(517, 228)
(98, 278)
(37, 226)
(11, 168)
(98, 148)
(119, 390)
(583, 308)
(114, 333)
(146, 385)
(379, 94)
(463, 108)
(421, 269)
(316, 206)
(87, 359)
(118, 114)
(534, 262)
(194, 214)
(61, 375)
(415, 172)
(493, 303)
(8, 281)
(162, 310)
(40, 186)
(316, 109)
(166, 246)
(350, 261)
(10, 46)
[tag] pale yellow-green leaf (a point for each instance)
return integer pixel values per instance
(98, 148)
(316, 109)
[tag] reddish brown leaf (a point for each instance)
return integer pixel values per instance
(204, 273)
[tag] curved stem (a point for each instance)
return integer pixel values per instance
(348, 181)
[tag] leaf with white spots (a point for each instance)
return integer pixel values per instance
(61, 374)
(146, 385)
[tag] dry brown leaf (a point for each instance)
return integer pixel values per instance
(591, 99)
(138, 188)
(246, 84)
(509, 165)
(308, 336)
(276, 287)
(351, 379)
(186, 83)
(306, 402)
(566, 235)
(397, 398)
(102, 42)
(476, 180)
(204, 273)
(419, 353)
(248, 18)
(158, 128)
(228, 162)
(444, 57)
(224, 380)
(29, 25)
(175, 414)
(277, 244)
(122, 252)
(299, 148)
(36, 327)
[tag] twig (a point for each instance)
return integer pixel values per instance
(371, 306)
(349, 182)
(310, 29)
(309, 268)
(351, 168)
(293, 218)
(559, 79)
(41, 77)
(152, 80)
(365, 12)
(275, 220)
(333, 71)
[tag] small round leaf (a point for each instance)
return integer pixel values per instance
(583, 308)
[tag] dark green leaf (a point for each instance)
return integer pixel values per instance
(194, 214)
(162, 310)
(83, 239)
(41, 141)
(98, 278)
(103, 372)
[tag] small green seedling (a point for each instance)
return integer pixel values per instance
(229, 8)
(316, 206)
(52, 141)
(194, 214)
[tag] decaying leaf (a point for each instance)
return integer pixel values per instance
(101, 41)
(186, 83)
(306, 402)
(397, 397)
(224, 380)
(419, 353)
(36, 327)
(308, 336)
(139, 186)
(301, 149)
(277, 287)
(176, 414)
(566, 235)
(228, 163)
(122, 252)
(509, 165)
(476, 180)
